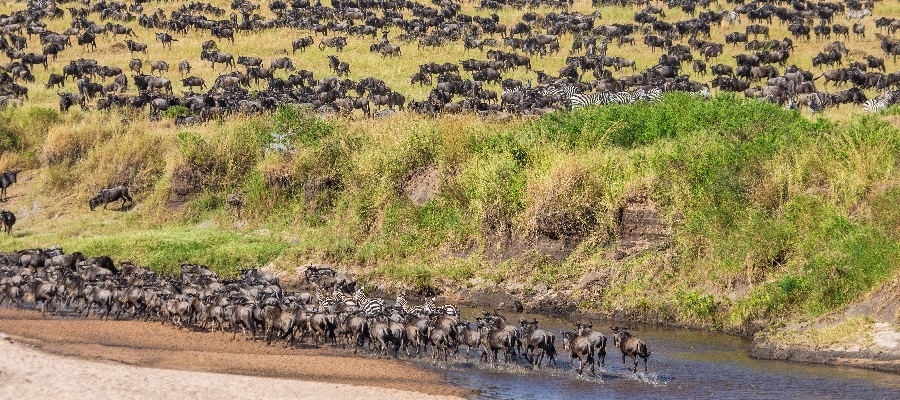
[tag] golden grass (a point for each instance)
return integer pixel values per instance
(396, 71)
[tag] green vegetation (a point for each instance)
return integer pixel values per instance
(769, 216)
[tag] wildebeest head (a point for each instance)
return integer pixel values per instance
(94, 202)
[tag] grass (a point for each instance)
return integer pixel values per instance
(772, 215)
(396, 71)
(796, 212)
(852, 331)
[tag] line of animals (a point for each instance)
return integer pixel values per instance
(261, 309)
(104, 197)
(683, 41)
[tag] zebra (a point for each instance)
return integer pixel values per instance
(731, 17)
(449, 309)
(340, 296)
(879, 103)
(324, 301)
(425, 309)
(371, 307)
(703, 92)
(401, 302)
(654, 94)
(564, 93)
(858, 14)
(589, 99)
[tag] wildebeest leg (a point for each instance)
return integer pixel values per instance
(634, 358)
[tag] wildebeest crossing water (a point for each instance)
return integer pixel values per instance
(685, 364)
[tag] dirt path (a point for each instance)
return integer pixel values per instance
(209, 355)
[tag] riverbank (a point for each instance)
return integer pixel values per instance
(132, 359)
(728, 214)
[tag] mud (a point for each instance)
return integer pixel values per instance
(150, 344)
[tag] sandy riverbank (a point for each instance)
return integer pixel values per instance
(55, 357)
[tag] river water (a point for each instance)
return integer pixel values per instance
(684, 364)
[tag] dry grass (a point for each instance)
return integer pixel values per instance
(396, 71)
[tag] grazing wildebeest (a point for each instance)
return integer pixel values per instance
(150, 82)
(110, 195)
(217, 57)
(159, 66)
(301, 44)
(135, 65)
(6, 179)
(9, 219)
(184, 67)
(135, 46)
(192, 81)
(166, 39)
(630, 346)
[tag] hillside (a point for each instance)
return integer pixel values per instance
(728, 214)
(723, 213)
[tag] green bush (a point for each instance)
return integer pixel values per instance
(175, 111)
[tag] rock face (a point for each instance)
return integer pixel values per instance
(186, 180)
(639, 228)
(423, 185)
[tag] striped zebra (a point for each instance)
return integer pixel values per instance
(703, 92)
(564, 92)
(731, 17)
(589, 99)
(655, 94)
(424, 310)
(514, 89)
(401, 302)
(879, 103)
(449, 309)
(340, 296)
(324, 301)
(371, 307)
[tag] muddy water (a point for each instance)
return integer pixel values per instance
(684, 364)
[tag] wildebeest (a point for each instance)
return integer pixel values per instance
(166, 39)
(9, 219)
(301, 44)
(56, 80)
(110, 195)
(193, 81)
(217, 57)
(6, 180)
(159, 65)
(184, 67)
(135, 65)
(150, 82)
(538, 341)
(630, 346)
(135, 46)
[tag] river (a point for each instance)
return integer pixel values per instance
(684, 364)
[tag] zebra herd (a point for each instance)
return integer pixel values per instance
(574, 99)
(621, 98)
(373, 307)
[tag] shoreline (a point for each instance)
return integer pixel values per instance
(884, 356)
(118, 346)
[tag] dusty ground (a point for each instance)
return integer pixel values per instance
(28, 373)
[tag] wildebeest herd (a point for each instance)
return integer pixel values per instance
(767, 69)
(337, 314)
